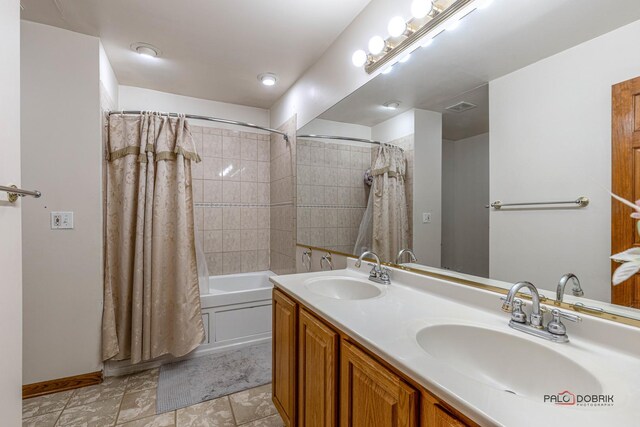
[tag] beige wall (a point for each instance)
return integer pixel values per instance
(427, 190)
(283, 200)
(62, 156)
(561, 151)
(10, 244)
(231, 192)
(465, 191)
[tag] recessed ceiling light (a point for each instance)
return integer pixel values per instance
(268, 79)
(391, 105)
(145, 49)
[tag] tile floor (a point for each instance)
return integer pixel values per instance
(130, 401)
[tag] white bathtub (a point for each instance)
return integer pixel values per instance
(236, 311)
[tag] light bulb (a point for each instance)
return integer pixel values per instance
(427, 43)
(397, 26)
(359, 58)
(421, 8)
(405, 59)
(376, 45)
(387, 70)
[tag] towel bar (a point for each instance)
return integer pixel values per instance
(14, 192)
(580, 202)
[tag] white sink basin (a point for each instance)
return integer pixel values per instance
(506, 362)
(338, 287)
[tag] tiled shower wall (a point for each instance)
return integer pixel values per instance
(283, 200)
(231, 188)
(331, 192)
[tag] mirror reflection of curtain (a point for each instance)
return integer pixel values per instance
(386, 215)
(151, 295)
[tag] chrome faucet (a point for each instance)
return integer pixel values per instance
(536, 314)
(378, 273)
(577, 289)
(412, 256)
(555, 330)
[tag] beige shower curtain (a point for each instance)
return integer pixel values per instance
(390, 218)
(151, 294)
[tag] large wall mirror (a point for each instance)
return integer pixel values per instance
(485, 117)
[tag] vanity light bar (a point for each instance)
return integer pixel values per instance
(413, 37)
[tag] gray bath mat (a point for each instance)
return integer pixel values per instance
(192, 381)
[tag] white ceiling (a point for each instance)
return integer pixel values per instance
(490, 43)
(468, 123)
(211, 49)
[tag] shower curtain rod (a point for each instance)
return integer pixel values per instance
(213, 119)
(343, 138)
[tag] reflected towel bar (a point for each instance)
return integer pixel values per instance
(580, 202)
(14, 192)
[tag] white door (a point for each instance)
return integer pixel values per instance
(10, 224)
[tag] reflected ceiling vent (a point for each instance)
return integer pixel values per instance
(461, 107)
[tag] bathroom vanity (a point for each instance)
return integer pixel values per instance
(424, 351)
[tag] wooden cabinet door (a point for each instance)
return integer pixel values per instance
(284, 356)
(625, 181)
(371, 395)
(317, 373)
(434, 414)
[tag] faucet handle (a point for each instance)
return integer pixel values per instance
(555, 326)
(517, 315)
(557, 314)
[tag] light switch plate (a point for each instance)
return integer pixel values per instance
(426, 217)
(61, 220)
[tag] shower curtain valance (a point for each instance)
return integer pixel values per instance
(162, 137)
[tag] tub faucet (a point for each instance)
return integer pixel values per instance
(378, 273)
(412, 256)
(577, 289)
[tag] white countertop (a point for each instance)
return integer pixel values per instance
(387, 326)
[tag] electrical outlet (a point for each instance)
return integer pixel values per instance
(426, 217)
(61, 220)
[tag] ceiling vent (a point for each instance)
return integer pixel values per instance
(461, 107)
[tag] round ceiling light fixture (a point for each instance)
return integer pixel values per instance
(421, 8)
(145, 49)
(268, 79)
(359, 58)
(397, 26)
(391, 105)
(376, 45)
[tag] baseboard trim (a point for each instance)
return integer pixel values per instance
(61, 384)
